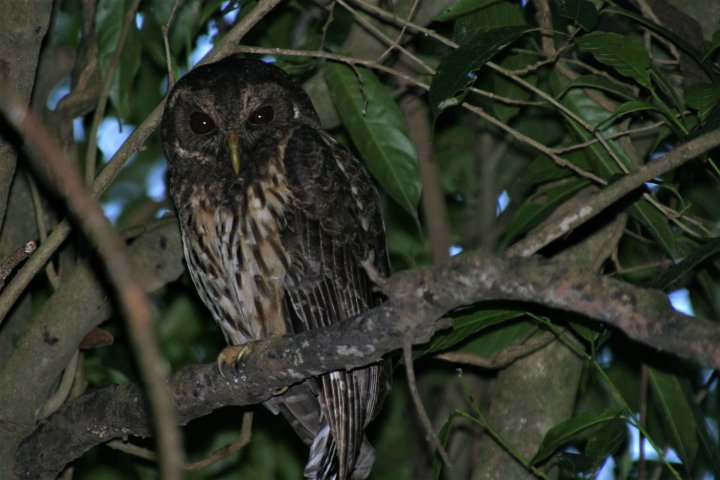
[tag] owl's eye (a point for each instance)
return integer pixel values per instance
(262, 115)
(201, 123)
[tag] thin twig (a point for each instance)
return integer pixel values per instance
(609, 248)
(15, 259)
(50, 271)
(648, 13)
(401, 34)
(501, 359)
(541, 63)
(632, 131)
(379, 34)
(225, 452)
(402, 22)
(659, 265)
(674, 216)
(242, 441)
(419, 407)
(328, 21)
(99, 115)
(132, 449)
(643, 401)
(350, 61)
(63, 390)
(166, 42)
(22, 277)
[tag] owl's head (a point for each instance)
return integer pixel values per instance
(219, 114)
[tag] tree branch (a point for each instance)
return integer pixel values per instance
(417, 300)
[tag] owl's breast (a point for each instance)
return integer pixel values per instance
(236, 257)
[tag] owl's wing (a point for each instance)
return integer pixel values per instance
(334, 225)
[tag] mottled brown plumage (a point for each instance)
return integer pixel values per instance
(276, 218)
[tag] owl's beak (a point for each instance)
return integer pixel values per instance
(233, 142)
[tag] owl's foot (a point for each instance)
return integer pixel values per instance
(231, 356)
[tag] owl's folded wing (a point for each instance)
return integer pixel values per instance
(335, 224)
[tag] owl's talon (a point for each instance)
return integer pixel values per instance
(281, 391)
(232, 355)
(373, 274)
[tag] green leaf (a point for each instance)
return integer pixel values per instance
(454, 74)
(491, 16)
(504, 87)
(444, 437)
(708, 440)
(582, 12)
(676, 414)
(109, 18)
(628, 107)
(689, 263)
(626, 55)
(679, 41)
(109, 15)
(460, 8)
(466, 326)
(666, 86)
(714, 44)
(590, 332)
(599, 83)
(391, 437)
(657, 225)
(378, 131)
(544, 168)
(538, 207)
(500, 337)
(565, 431)
(703, 98)
(607, 440)
(128, 68)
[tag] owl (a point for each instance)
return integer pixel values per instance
(276, 217)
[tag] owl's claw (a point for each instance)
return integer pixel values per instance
(231, 356)
(373, 274)
(281, 391)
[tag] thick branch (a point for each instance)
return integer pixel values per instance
(417, 300)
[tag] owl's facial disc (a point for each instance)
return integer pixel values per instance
(233, 142)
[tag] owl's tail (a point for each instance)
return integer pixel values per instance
(322, 462)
